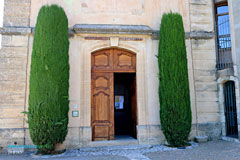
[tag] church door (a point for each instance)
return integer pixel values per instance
(104, 64)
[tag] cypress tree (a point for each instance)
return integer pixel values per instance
(174, 97)
(49, 79)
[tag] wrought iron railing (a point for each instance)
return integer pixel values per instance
(223, 44)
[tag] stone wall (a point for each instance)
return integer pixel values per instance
(234, 12)
(204, 66)
(13, 69)
(17, 13)
(127, 12)
(13, 65)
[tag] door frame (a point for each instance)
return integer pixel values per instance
(117, 67)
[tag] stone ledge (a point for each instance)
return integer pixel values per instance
(112, 29)
(108, 29)
(190, 35)
(199, 2)
(200, 35)
(201, 139)
(225, 72)
(230, 139)
(15, 30)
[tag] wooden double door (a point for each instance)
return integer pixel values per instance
(105, 64)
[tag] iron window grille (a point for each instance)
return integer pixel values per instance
(223, 37)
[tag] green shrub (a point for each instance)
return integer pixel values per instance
(49, 79)
(174, 97)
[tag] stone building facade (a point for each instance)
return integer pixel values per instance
(129, 25)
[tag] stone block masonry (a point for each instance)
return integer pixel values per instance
(17, 13)
(13, 73)
(204, 66)
(13, 66)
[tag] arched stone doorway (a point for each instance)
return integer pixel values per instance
(113, 93)
(228, 92)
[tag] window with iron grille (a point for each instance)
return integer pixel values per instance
(223, 37)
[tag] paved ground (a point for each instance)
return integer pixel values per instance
(214, 150)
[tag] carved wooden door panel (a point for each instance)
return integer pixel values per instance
(102, 106)
(124, 61)
(102, 60)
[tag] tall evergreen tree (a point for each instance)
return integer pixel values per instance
(49, 79)
(175, 110)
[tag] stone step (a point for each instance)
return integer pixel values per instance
(117, 142)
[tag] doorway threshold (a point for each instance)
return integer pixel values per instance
(119, 140)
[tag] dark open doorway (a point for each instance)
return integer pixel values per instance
(125, 112)
(230, 109)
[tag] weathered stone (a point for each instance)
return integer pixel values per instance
(212, 130)
(193, 132)
(201, 139)
(202, 2)
(229, 139)
(16, 21)
(204, 55)
(198, 26)
(13, 52)
(15, 31)
(7, 98)
(19, 2)
(13, 63)
(11, 136)
(112, 29)
(209, 96)
(205, 117)
(200, 72)
(15, 41)
(206, 86)
(205, 78)
(16, 87)
(11, 122)
(199, 22)
(207, 107)
(16, 13)
(16, 10)
(201, 35)
(201, 19)
(204, 44)
(150, 133)
(11, 111)
(225, 72)
(204, 64)
(12, 75)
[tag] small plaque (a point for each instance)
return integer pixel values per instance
(75, 113)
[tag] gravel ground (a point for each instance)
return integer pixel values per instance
(214, 150)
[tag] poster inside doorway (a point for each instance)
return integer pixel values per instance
(119, 102)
